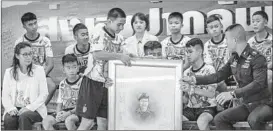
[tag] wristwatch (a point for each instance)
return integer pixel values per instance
(233, 94)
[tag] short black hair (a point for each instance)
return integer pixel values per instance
(143, 96)
(214, 17)
(69, 58)
(261, 13)
(176, 15)
(141, 16)
(152, 45)
(78, 27)
(116, 13)
(28, 17)
(231, 27)
(194, 42)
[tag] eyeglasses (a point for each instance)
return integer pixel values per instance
(25, 55)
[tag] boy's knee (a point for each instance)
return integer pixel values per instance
(49, 120)
(253, 119)
(71, 120)
(9, 119)
(102, 123)
(204, 118)
(87, 122)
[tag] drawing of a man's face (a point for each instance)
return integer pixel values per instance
(144, 103)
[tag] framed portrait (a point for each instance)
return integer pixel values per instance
(145, 95)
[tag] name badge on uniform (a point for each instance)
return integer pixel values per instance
(246, 64)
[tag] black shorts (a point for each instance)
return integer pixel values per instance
(92, 99)
(193, 113)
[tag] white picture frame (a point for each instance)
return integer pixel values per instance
(146, 77)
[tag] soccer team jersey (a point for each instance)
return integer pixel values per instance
(216, 53)
(82, 56)
(41, 48)
(198, 101)
(264, 47)
(172, 50)
(102, 40)
(68, 93)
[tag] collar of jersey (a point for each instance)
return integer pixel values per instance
(199, 68)
(76, 47)
(175, 43)
(72, 83)
(25, 35)
(261, 41)
(216, 43)
(108, 33)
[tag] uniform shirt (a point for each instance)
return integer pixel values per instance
(198, 101)
(172, 50)
(41, 48)
(145, 115)
(250, 71)
(68, 93)
(82, 56)
(102, 40)
(264, 47)
(133, 46)
(216, 53)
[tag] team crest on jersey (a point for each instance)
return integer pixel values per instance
(175, 53)
(69, 95)
(111, 45)
(218, 55)
(38, 55)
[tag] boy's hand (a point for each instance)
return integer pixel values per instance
(13, 112)
(126, 60)
(188, 79)
(108, 82)
(185, 87)
(132, 55)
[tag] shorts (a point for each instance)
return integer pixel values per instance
(193, 113)
(92, 99)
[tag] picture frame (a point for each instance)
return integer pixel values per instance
(145, 95)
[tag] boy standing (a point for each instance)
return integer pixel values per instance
(41, 47)
(202, 103)
(82, 48)
(173, 47)
(106, 45)
(68, 95)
